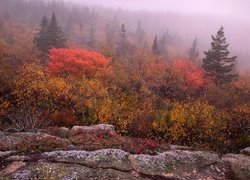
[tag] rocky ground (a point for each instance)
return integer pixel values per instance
(97, 152)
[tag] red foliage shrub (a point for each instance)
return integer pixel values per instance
(192, 74)
(76, 62)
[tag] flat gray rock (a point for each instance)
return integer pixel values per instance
(107, 158)
(180, 164)
(62, 171)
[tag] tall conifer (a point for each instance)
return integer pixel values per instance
(217, 62)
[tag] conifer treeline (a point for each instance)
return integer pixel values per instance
(50, 35)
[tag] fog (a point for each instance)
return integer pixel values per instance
(190, 18)
(227, 8)
(183, 20)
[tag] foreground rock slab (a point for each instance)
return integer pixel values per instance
(180, 165)
(107, 158)
(118, 164)
(62, 171)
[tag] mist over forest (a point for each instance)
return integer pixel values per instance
(181, 20)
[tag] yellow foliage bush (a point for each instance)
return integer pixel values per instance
(192, 122)
(30, 86)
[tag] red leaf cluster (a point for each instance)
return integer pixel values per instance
(192, 74)
(76, 62)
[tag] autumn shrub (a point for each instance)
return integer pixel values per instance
(164, 80)
(191, 123)
(192, 75)
(27, 119)
(64, 62)
(30, 86)
(42, 97)
(62, 118)
(237, 132)
(90, 101)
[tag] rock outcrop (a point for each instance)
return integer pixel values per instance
(30, 140)
(95, 129)
(176, 162)
(239, 164)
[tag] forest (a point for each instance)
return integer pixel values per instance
(63, 65)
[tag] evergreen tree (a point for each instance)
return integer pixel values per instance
(155, 47)
(54, 35)
(40, 38)
(217, 62)
(50, 35)
(193, 52)
(122, 43)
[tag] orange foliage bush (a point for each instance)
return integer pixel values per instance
(65, 62)
(192, 74)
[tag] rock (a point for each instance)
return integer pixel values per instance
(95, 129)
(177, 147)
(18, 158)
(245, 151)
(61, 132)
(181, 165)
(30, 140)
(107, 158)
(46, 170)
(6, 153)
(11, 168)
(240, 165)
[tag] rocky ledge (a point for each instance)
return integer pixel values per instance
(176, 162)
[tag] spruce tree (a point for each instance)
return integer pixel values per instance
(40, 38)
(217, 62)
(193, 52)
(122, 43)
(155, 47)
(50, 35)
(54, 35)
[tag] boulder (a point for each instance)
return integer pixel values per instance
(240, 165)
(100, 129)
(32, 141)
(106, 158)
(245, 151)
(180, 165)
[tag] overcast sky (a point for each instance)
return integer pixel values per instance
(229, 8)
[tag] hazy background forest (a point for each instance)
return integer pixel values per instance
(179, 22)
(151, 68)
